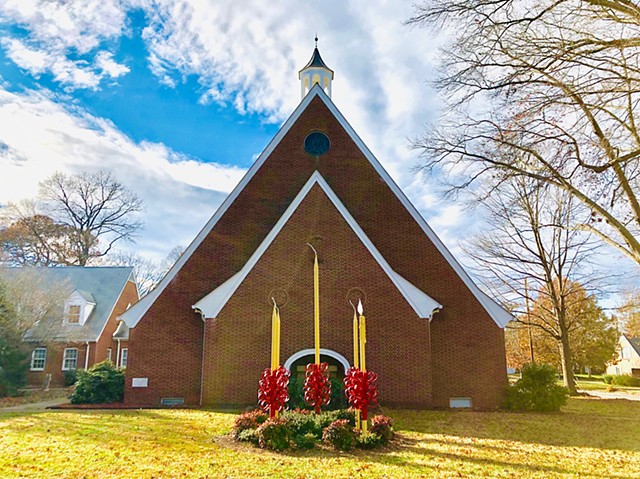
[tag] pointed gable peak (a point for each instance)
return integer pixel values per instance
(133, 315)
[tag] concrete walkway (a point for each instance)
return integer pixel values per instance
(35, 406)
(613, 395)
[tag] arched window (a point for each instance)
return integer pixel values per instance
(297, 363)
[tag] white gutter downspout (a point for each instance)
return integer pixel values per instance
(118, 354)
(86, 357)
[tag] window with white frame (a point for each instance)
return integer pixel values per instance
(70, 359)
(124, 356)
(73, 316)
(38, 359)
(109, 355)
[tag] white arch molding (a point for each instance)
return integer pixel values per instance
(311, 352)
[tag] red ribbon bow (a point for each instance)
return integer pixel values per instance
(273, 390)
(317, 387)
(361, 389)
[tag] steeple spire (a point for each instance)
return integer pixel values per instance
(315, 72)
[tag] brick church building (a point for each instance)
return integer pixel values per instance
(203, 335)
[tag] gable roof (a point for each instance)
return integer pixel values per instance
(634, 342)
(495, 311)
(211, 305)
(87, 296)
(100, 285)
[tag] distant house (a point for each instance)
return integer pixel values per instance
(628, 360)
(81, 328)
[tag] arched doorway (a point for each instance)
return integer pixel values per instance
(296, 364)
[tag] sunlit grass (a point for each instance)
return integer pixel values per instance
(590, 439)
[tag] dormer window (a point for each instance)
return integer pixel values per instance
(78, 307)
(74, 314)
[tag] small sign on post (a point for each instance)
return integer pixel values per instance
(47, 382)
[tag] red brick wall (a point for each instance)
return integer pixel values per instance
(53, 366)
(237, 345)
(129, 296)
(467, 346)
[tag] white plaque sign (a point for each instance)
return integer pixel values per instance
(139, 382)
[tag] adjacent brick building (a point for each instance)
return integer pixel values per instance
(77, 328)
(203, 335)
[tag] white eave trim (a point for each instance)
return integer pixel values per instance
(211, 305)
(137, 311)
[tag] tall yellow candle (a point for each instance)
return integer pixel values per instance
(277, 338)
(363, 360)
(273, 336)
(316, 304)
(363, 338)
(356, 355)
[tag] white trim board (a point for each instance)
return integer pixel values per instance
(133, 315)
(137, 311)
(211, 305)
(310, 352)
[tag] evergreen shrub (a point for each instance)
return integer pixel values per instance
(625, 380)
(274, 434)
(328, 417)
(102, 384)
(248, 421)
(301, 422)
(305, 441)
(70, 377)
(340, 434)
(536, 390)
(247, 435)
(368, 440)
(381, 425)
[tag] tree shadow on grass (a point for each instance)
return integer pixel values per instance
(419, 449)
(593, 423)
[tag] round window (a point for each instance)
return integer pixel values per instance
(316, 143)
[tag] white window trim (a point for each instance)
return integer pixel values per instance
(33, 354)
(109, 354)
(64, 358)
(67, 308)
(124, 357)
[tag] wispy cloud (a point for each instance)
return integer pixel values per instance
(59, 31)
(246, 56)
(180, 193)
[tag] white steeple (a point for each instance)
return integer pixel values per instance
(315, 72)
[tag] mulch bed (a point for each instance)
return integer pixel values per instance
(118, 405)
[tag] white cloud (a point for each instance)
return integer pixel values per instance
(247, 55)
(56, 30)
(179, 193)
(105, 62)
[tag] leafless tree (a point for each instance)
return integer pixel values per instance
(37, 300)
(148, 272)
(547, 90)
(528, 238)
(76, 219)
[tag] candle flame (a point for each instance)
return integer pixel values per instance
(360, 309)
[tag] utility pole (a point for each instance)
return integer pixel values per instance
(526, 297)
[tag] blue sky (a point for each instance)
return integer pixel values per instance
(178, 97)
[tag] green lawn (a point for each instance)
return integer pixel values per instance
(589, 439)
